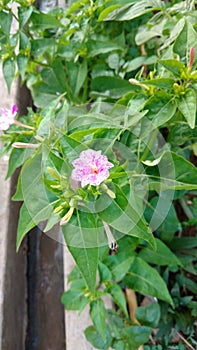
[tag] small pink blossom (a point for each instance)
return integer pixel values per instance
(7, 117)
(91, 168)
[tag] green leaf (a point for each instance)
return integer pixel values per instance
(98, 316)
(145, 34)
(135, 335)
(111, 87)
(187, 105)
(173, 172)
(119, 264)
(70, 147)
(123, 216)
(160, 211)
(38, 200)
(104, 14)
(77, 74)
(97, 47)
(162, 83)
(18, 196)
(96, 340)
(22, 62)
(161, 108)
(5, 22)
(51, 85)
(186, 39)
(24, 42)
(104, 272)
(17, 158)
(74, 300)
(182, 243)
(24, 14)
(146, 280)
(41, 46)
(81, 235)
(174, 66)
(149, 315)
(44, 21)
(119, 298)
(25, 224)
(135, 10)
(9, 67)
(162, 256)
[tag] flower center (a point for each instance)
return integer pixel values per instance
(94, 169)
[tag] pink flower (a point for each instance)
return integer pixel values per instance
(7, 117)
(91, 168)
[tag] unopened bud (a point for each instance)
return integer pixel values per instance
(67, 217)
(53, 173)
(58, 209)
(192, 56)
(136, 82)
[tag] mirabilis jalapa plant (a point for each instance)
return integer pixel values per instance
(107, 152)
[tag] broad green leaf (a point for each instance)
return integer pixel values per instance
(174, 172)
(38, 200)
(97, 47)
(96, 340)
(24, 42)
(22, 62)
(5, 22)
(74, 300)
(98, 316)
(111, 87)
(187, 105)
(137, 62)
(107, 11)
(185, 41)
(161, 256)
(161, 108)
(24, 14)
(174, 66)
(182, 243)
(149, 315)
(51, 85)
(146, 34)
(146, 280)
(175, 31)
(187, 283)
(70, 148)
(25, 224)
(119, 298)
(123, 216)
(119, 264)
(81, 235)
(40, 46)
(104, 273)
(77, 74)
(18, 196)
(120, 345)
(135, 335)
(44, 21)
(127, 12)
(162, 83)
(9, 67)
(17, 157)
(161, 215)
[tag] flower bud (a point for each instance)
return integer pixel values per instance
(67, 217)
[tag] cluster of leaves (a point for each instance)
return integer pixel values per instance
(85, 55)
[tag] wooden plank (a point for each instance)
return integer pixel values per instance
(14, 308)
